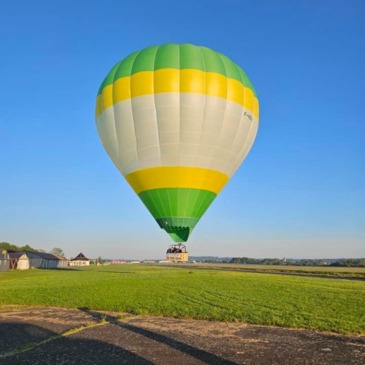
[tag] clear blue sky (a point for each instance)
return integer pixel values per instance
(300, 192)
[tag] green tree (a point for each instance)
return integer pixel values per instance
(26, 248)
(57, 251)
(10, 247)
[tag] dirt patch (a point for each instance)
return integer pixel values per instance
(43, 335)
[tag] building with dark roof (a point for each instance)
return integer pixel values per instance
(18, 261)
(45, 260)
(23, 260)
(80, 260)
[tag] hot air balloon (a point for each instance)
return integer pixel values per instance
(177, 120)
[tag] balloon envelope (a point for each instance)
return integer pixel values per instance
(177, 121)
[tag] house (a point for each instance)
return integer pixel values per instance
(4, 261)
(18, 261)
(24, 260)
(80, 260)
(45, 260)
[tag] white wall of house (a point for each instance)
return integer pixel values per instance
(23, 263)
(79, 263)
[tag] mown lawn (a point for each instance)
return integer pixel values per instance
(323, 271)
(290, 301)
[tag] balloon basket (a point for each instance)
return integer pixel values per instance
(177, 253)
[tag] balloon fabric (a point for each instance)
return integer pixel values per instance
(177, 120)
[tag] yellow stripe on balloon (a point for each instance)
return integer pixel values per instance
(166, 81)
(141, 84)
(177, 177)
(192, 81)
(256, 107)
(172, 81)
(216, 85)
(104, 100)
(121, 89)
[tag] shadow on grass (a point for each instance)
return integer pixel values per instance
(204, 356)
(30, 344)
(33, 338)
(26, 343)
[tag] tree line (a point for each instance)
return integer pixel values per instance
(14, 248)
(300, 262)
(10, 247)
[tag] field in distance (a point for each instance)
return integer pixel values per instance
(321, 271)
(326, 304)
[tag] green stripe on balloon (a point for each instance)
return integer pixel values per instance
(177, 210)
(177, 56)
(177, 202)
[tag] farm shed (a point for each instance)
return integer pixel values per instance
(46, 260)
(80, 260)
(4, 261)
(18, 261)
(63, 262)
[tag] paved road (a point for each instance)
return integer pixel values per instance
(42, 335)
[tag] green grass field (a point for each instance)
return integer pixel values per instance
(323, 271)
(281, 300)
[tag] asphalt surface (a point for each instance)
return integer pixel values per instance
(43, 335)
